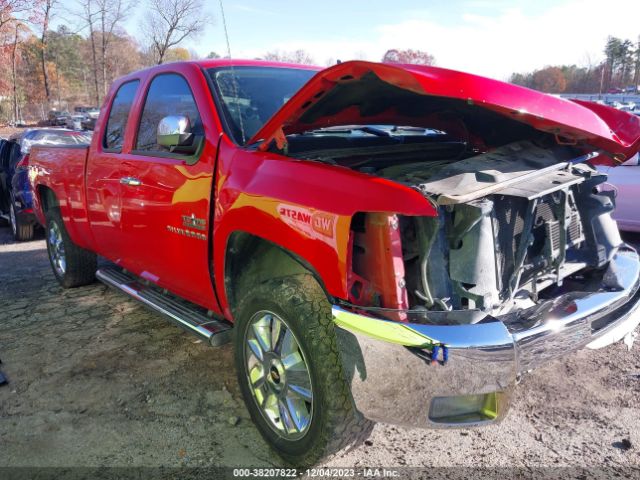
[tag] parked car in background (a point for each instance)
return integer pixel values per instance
(61, 118)
(625, 182)
(627, 106)
(4, 204)
(52, 116)
(89, 123)
(74, 122)
(93, 112)
(15, 193)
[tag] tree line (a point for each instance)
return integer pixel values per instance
(42, 68)
(620, 69)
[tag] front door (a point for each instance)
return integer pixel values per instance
(166, 197)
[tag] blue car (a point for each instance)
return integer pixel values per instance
(15, 191)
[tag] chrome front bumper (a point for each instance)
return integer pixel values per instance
(434, 375)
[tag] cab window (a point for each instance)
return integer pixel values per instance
(118, 116)
(169, 95)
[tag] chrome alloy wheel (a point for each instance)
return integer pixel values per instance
(278, 375)
(56, 249)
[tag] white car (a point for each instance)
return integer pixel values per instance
(93, 113)
(625, 181)
(74, 122)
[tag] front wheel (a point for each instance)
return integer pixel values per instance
(290, 371)
(72, 266)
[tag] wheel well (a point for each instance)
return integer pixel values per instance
(48, 199)
(251, 260)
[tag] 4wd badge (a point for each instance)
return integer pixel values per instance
(315, 224)
(191, 221)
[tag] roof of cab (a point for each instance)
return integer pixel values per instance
(213, 63)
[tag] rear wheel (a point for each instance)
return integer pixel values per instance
(22, 231)
(290, 372)
(72, 266)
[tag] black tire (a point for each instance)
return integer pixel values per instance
(335, 424)
(22, 231)
(80, 264)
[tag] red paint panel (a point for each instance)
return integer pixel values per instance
(62, 170)
(305, 207)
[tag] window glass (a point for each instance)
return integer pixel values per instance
(169, 94)
(251, 95)
(119, 114)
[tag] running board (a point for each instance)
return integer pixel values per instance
(192, 318)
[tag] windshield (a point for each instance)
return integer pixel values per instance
(251, 95)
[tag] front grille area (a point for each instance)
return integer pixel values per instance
(549, 226)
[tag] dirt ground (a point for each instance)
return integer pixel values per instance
(97, 380)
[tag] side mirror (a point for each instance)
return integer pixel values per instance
(174, 131)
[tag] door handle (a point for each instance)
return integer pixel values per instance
(130, 181)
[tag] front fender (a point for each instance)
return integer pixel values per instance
(302, 206)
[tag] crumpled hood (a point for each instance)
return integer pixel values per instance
(360, 92)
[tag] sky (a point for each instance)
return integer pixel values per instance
(488, 37)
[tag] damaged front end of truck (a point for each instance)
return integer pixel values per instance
(521, 263)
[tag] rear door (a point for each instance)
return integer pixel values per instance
(104, 173)
(166, 197)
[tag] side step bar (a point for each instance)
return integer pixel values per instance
(192, 318)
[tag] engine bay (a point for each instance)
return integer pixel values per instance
(516, 222)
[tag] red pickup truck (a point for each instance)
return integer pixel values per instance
(391, 243)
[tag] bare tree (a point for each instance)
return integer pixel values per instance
(89, 16)
(45, 18)
(110, 13)
(18, 31)
(417, 57)
(169, 22)
(296, 56)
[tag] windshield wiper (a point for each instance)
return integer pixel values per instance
(372, 130)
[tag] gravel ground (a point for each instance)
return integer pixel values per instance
(97, 380)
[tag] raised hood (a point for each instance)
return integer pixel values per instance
(373, 93)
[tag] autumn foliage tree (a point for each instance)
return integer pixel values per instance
(549, 79)
(620, 68)
(12, 28)
(416, 57)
